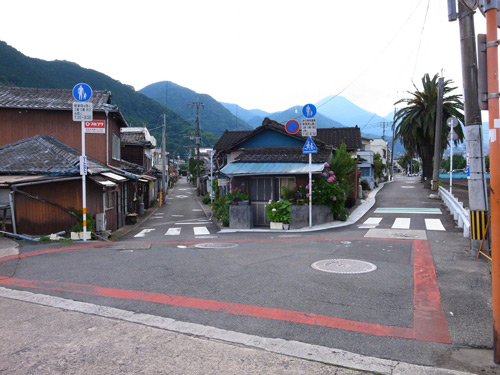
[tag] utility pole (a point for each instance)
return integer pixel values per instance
(392, 146)
(163, 159)
(197, 142)
(478, 196)
(491, 9)
(437, 136)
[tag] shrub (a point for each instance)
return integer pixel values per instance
(365, 185)
(279, 212)
(206, 199)
(78, 227)
(222, 210)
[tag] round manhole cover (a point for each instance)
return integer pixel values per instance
(347, 266)
(215, 245)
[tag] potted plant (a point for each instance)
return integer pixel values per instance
(279, 213)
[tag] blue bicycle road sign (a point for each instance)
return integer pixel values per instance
(82, 92)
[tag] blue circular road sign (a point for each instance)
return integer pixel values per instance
(309, 110)
(292, 126)
(82, 92)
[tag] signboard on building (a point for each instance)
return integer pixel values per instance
(96, 126)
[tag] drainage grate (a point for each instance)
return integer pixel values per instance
(345, 266)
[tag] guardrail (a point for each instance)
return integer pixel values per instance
(460, 214)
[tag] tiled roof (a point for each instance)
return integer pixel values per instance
(328, 136)
(335, 136)
(282, 155)
(51, 99)
(44, 155)
(230, 138)
(132, 167)
(134, 139)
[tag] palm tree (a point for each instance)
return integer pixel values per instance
(416, 122)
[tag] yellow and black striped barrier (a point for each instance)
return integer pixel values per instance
(478, 224)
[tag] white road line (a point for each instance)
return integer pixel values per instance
(193, 222)
(173, 232)
(401, 223)
(371, 222)
(143, 232)
(200, 231)
(434, 224)
(177, 215)
(197, 209)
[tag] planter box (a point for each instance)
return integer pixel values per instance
(300, 216)
(276, 225)
(240, 217)
(79, 235)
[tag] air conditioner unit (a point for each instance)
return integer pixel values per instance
(100, 222)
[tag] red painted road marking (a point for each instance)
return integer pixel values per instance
(218, 306)
(428, 315)
(429, 320)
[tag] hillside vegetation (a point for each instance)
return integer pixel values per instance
(19, 70)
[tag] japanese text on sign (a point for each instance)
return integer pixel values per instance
(82, 111)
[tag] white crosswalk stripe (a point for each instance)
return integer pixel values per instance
(143, 232)
(200, 231)
(173, 232)
(434, 224)
(401, 223)
(371, 222)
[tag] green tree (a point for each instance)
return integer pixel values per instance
(378, 165)
(459, 162)
(343, 164)
(409, 163)
(416, 122)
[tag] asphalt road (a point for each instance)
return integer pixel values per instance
(427, 298)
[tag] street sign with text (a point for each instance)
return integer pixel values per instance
(82, 111)
(309, 127)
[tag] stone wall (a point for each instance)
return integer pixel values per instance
(240, 217)
(300, 216)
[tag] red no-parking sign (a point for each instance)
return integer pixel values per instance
(292, 126)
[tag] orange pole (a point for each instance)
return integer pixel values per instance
(492, 61)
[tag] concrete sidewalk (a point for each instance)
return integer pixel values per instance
(51, 335)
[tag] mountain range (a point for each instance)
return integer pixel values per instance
(147, 106)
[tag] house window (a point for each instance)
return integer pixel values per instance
(109, 200)
(288, 182)
(261, 189)
(365, 172)
(116, 152)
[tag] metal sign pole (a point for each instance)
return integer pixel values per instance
(83, 112)
(84, 190)
(310, 190)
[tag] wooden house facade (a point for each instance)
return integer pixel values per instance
(261, 161)
(39, 195)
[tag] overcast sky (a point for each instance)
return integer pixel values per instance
(265, 54)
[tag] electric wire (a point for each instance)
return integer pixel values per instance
(376, 58)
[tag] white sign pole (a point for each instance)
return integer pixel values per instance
(310, 190)
(451, 161)
(84, 190)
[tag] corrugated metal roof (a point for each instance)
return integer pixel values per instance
(249, 169)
